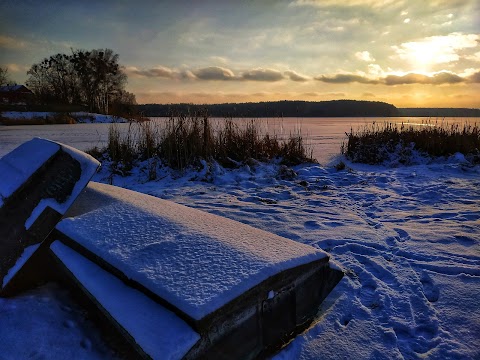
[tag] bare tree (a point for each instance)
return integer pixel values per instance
(4, 77)
(91, 77)
(100, 75)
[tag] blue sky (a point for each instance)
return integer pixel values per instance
(409, 53)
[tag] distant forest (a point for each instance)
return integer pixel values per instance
(440, 112)
(335, 108)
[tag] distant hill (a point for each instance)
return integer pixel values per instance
(334, 108)
(439, 112)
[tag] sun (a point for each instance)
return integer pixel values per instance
(424, 54)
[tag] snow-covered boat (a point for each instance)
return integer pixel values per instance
(40, 180)
(177, 282)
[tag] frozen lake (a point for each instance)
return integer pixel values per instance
(323, 135)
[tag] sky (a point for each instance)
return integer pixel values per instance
(407, 53)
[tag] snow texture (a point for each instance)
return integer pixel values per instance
(17, 166)
(87, 117)
(159, 332)
(26, 114)
(88, 168)
(408, 238)
(195, 260)
(45, 323)
(27, 253)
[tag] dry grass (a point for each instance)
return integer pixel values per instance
(184, 141)
(376, 143)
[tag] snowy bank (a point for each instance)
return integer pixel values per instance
(407, 236)
(37, 117)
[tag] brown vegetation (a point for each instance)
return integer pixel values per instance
(376, 143)
(184, 141)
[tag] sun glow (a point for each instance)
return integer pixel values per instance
(426, 53)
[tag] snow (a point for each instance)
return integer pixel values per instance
(159, 332)
(45, 323)
(81, 116)
(408, 238)
(87, 117)
(194, 260)
(27, 253)
(88, 168)
(17, 166)
(26, 114)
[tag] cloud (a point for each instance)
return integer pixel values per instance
(11, 43)
(263, 75)
(368, 94)
(474, 78)
(364, 56)
(436, 49)
(346, 3)
(345, 79)
(474, 57)
(158, 71)
(443, 77)
(219, 59)
(294, 76)
(214, 73)
(15, 68)
(412, 78)
(336, 94)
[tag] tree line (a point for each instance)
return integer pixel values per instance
(334, 108)
(92, 78)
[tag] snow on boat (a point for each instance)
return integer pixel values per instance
(246, 292)
(174, 282)
(40, 179)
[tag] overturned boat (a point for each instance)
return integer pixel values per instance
(177, 282)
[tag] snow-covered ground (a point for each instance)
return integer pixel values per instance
(408, 238)
(80, 117)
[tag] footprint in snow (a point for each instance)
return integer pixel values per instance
(465, 240)
(69, 324)
(427, 331)
(311, 224)
(430, 290)
(333, 223)
(402, 234)
(86, 344)
(369, 296)
(391, 241)
(345, 320)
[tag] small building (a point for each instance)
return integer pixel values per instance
(15, 95)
